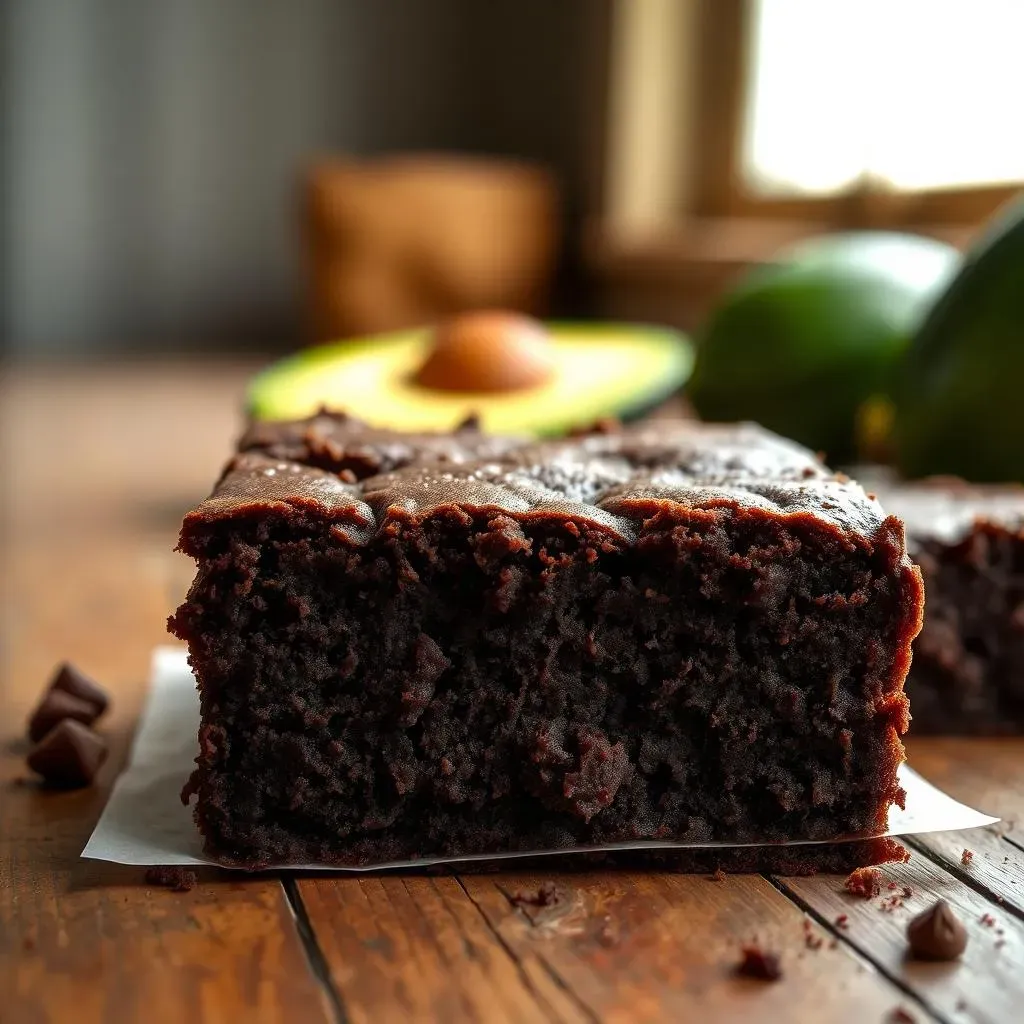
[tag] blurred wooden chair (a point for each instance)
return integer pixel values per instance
(407, 240)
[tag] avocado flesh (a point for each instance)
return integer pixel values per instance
(601, 370)
(960, 408)
(800, 344)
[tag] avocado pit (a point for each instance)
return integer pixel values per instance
(488, 351)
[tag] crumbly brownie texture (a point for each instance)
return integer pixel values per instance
(968, 669)
(422, 646)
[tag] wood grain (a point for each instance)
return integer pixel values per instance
(617, 946)
(987, 984)
(418, 948)
(990, 776)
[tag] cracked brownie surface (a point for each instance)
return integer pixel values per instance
(415, 646)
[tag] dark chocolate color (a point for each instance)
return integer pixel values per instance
(759, 964)
(409, 647)
(70, 679)
(937, 933)
(968, 670)
(69, 755)
(55, 706)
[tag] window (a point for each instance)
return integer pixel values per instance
(899, 94)
(842, 113)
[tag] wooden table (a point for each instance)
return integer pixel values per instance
(98, 467)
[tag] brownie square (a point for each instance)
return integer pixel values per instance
(967, 675)
(437, 646)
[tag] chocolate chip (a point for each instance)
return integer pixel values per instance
(937, 934)
(55, 706)
(760, 964)
(69, 695)
(70, 680)
(69, 755)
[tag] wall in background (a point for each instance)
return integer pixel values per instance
(151, 150)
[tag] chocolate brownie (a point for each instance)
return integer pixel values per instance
(414, 646)
(968, 669)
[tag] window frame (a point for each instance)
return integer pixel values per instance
(720, 95)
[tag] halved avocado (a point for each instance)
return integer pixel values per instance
(600, 370)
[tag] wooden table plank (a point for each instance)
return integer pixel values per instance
(416, 947)
(988, 775)
(986, 985)
(617, 947)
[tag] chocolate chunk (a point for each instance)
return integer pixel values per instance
(70, 680)
(937, 934)
(757, 963)
(69, 755)
(56, 706)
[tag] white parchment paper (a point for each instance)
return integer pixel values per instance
(145, 822)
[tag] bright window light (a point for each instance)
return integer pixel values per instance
(910, 94)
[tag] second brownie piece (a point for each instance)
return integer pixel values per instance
(411, 647)
(968, 670)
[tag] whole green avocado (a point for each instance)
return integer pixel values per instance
(960, 404)
(800, 344)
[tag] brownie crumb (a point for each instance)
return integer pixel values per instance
(811, 940)
(902, 1016)
(718, 876)
(966, 857)
(891, 903)
(937, 934)
(864, 882)
(759, 964)
(175, 879)
(547, 894)
(898, 853)
(543, 905)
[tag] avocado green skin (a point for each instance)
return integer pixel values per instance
(960, 404)
(799, 344)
